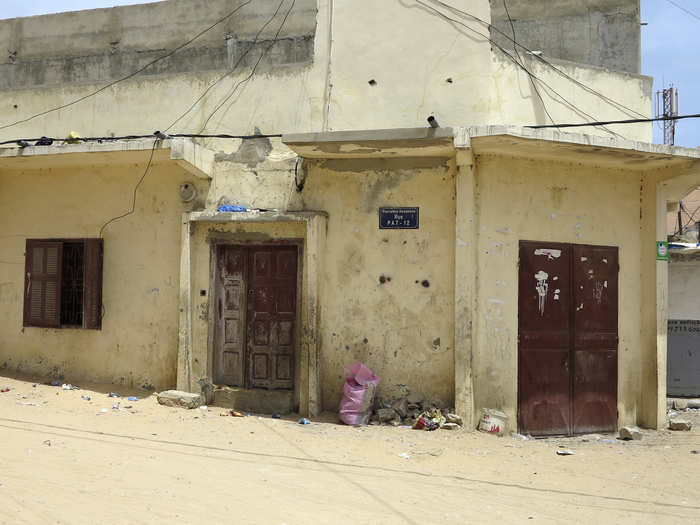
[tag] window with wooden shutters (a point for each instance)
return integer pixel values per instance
(63, 283)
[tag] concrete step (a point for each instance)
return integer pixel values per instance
(254, 400)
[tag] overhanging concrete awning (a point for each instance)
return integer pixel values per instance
(192, 157)
(514, 141)
(549, 143)
(377, 143)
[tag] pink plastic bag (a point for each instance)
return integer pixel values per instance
(358, 395)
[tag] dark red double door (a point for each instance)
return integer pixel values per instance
(256, 304)
(567, 338)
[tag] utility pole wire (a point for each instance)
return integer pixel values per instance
(683, 9)
(130, 75)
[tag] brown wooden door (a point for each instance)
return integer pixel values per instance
(544, 334)
(595, 339)
(256, 300)
(230, 282)
(567, 333)
(272, 292)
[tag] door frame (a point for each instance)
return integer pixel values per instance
(572, 330)
(215, 243)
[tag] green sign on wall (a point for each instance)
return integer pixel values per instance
(662, 251)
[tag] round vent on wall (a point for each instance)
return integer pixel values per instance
(187, 191)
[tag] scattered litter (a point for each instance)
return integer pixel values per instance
(429, 420)
(86, 398)
(204, 407)
(27, 403)
(404, 455)
(104, 410)
(115, 406)
(55, 383)
(695, 451)
(231, 208)
(493, 421)
(6, 389)
(276, 416)
(607, 441)
(260, 418)
(565, 452)
(68, 386)
(34, 385)
(133, 398)
(521, 437)
(231, 413)
(304, 421)
(47, 443)
(112, 394)
(358, 395)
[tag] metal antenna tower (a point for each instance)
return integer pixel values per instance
(667, 106)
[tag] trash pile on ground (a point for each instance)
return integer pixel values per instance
(416, 411)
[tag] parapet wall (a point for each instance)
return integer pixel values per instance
(107, 44)
(604, 33)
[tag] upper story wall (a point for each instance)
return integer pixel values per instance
(102, 45)
(604, 33)
(339, 65)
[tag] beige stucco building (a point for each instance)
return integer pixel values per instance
(402, 246)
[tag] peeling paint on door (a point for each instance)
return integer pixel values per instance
(551, 254)
(542, 287)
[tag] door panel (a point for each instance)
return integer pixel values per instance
(230, 316)
(595, 338)
(544, 333)
(272, 316)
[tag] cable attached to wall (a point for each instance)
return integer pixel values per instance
(255, 67)
(512, 58)
(133, 201)
(231, 70)
(522, 63)
(617, 105)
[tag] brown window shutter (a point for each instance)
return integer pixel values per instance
(92, 291)
(42, 283)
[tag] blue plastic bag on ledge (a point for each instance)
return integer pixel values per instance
(231, 207)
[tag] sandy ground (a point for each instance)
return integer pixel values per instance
(65, 460)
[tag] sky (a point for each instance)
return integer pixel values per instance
(668, 48)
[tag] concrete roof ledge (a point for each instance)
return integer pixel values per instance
(376, 143)
(196, 159)
(579, 147)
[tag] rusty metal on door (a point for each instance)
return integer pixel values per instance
(567, 333)
(595, 339)
(544, 333)
(256, 304)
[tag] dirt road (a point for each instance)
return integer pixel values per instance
(67, 460)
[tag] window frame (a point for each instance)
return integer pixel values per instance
(44, 310)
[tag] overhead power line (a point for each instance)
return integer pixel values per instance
(231, 70)
(131, 75)
(517, 53)
(133, 137)
(255, 67)
(607, 122)
(683, 9)
(521, 66)
(610, 101)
